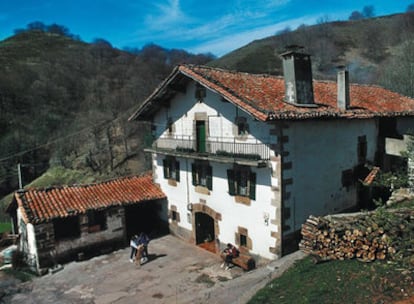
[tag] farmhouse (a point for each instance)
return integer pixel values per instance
(58, 224)
(246, 158)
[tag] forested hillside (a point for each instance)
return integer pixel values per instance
(65, 102)
(375, 50)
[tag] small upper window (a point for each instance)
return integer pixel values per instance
(200, 92)
(170, 125)
(242, 126)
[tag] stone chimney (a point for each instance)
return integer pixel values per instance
(343, 88)
(297, 71)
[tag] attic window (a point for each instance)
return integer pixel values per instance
(170, 125)
(200, 92)
(242, 126)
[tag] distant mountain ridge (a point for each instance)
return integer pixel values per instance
(372, 49)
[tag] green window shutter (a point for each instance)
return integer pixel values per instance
(209, 178)
(194, 174)
(230, 180)
(252, 186)
(165, 168)
(177, 171)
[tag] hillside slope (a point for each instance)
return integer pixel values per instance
(65, 102)
(376, 50)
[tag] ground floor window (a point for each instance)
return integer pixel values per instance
(242, 181)
(96, 221)
(65, 228)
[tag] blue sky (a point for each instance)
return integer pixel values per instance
(198, 26)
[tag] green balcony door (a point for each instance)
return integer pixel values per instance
(201, 136)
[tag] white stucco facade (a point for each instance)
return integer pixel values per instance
(319, 151)
(304, 167)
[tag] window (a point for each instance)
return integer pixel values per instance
(362, 148)
(170, 125)
(202, 174)
(347, 178)
(171, 168)
(242, 126)
(96, 221)
(174, 216)
(243, 240)
(242, 182)
(200, 92)
(66, 228)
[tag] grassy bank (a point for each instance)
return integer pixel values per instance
(348, 281)
(5, 227)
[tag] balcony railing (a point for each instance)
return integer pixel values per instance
(225, 147)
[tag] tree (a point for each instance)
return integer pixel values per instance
(410, 8)
(58, 29)
(36, 25)
(356, 15)
(368, 11)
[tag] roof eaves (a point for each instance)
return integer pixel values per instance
(226, 93)
(157, 92)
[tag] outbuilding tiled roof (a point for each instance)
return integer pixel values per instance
(40, 205)
(263, 96)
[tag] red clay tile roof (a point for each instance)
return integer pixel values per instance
(263, 96)
(40, 205)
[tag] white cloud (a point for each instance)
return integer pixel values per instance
(166, 15)
(230, 42)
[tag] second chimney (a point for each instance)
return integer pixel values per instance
(297, 70)
(343, 88)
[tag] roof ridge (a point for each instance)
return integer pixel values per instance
(60, 187)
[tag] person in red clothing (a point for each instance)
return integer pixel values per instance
(230, 252)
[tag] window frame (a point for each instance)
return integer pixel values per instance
(234, 178)
(202, 174)
(171, 168)
(97, 220)
(66, 228)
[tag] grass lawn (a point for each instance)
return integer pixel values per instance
(5, 227)
(348, 281)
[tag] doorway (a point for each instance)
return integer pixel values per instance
(201, 136)
(204, 228)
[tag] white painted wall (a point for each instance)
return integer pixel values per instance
(27, 239)
(221, 118)
(233, 214)
(221, 126)
(319, 152)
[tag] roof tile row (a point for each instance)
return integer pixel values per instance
(39, 205)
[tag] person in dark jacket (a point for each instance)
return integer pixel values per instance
(144, 240)
(230, 252)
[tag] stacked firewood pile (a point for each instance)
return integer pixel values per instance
(366, 236)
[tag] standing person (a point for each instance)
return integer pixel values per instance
(230, 252)
(144, 240)
(134, 245)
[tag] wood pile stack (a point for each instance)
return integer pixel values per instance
(366, 236)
